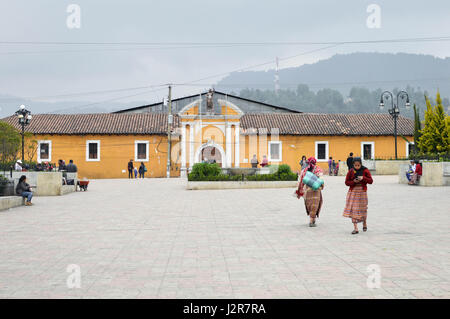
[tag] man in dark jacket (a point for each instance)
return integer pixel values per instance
(71, 167)
(23, 189)
(130, 169)
(350, 161)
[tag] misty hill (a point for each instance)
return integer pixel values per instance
(344, 71)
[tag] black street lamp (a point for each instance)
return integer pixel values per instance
(394, 111)
(24, 117)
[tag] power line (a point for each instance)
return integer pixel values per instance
(45, 97)
(257, 65)
(420, 39)
(106, 101)
(119, 50)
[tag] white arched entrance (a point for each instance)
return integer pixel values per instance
(210, 144)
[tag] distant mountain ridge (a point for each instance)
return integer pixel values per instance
(344, 71)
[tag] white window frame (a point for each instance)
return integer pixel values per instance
(269, 151)
(49, 151)
(407, 148)
(87, 151)
(136, 159)
(372, 155)
(327, 151)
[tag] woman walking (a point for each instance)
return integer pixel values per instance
(313, 198)
(356, 204)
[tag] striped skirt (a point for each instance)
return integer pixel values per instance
(356, 204)
(313, 202)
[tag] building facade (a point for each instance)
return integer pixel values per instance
(213, 129)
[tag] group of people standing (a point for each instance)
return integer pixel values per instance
(134, 170)
(356, 204)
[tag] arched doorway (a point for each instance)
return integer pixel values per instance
(211, 154)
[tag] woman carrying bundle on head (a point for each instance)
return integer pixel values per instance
(310, 187)
(356, 204)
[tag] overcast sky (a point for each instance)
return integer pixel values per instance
(47, 70)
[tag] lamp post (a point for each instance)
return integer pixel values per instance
(394, 111)
(24, 117)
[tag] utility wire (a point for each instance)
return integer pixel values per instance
(422, 39)
(106, 101)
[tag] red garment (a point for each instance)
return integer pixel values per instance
(418, 170)
(351, 175)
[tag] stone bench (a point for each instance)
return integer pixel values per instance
(7, 202)
(433, 174)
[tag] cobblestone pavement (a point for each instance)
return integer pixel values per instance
(154, 239)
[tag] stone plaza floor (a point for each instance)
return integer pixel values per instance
(153, 239)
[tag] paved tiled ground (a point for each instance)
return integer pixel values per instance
(153, 239)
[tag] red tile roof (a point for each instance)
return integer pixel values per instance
(328, 124)
(156, 123)
(101, 123)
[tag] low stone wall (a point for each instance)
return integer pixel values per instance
(343, 169)
(66, 189)
(388, 167)
(7, 202)
(245, 184)
(433, 174)
(46, 183)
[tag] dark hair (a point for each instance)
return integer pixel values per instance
(351, 154)
(304, 157)
(22, 178)
(357, 159)
(71, 161)
(416, 162)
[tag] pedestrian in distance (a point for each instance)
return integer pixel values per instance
(130, 168)
(350, 161)
(142, 170)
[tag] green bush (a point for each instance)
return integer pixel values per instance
(212, 172)
(204, 171)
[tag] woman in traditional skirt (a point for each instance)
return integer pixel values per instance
(313, 198)
(356, 205)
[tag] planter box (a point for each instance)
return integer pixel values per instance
(7, 189)
(236, 185)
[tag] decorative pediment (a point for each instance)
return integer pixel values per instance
(190, 109)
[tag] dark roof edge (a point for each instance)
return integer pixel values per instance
(191, 96)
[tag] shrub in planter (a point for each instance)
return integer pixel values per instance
(6, 186)
(200, 171)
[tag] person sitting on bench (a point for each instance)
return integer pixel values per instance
(24, 189)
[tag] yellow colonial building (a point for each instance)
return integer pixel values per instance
(223, 128)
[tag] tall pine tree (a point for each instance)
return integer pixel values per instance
(434, 139)
(417, 129)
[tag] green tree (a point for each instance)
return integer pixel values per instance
(9, 143)
(417, 129)
(434, 137)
